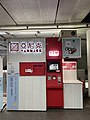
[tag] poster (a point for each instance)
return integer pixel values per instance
(1, 92)
(12, 86)
(71, 47)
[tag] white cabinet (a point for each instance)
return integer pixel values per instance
(32, 93)
(73, 95)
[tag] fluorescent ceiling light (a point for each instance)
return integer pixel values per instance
(13, 28)
(42, 27)
(22, 32)
(70, 26)
(25, 27)
(47, 32)
(25, 32)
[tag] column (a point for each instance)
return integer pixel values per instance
(88, 60)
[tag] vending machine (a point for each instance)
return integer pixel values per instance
(72, 87)
(54, 82)
(26, 83)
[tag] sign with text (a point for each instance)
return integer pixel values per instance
(54, 53)
(69, 66)
(33, 47)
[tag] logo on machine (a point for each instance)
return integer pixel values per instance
(14, 46)
(26, 47)
(28, 70)
(54, 53)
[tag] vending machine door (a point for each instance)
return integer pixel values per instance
(32, 68)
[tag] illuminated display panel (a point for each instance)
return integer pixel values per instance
(53, 66)
(54, 53)
(26, 47)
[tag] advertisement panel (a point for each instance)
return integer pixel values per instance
(12, 86)
(69, 70)
(71, 47)
(69, 66)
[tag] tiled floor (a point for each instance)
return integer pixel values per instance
(51, 114)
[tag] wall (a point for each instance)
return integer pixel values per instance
(88, 59)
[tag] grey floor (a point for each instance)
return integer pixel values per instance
(51, 114)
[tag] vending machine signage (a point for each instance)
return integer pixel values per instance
(53, 48)
(69, 65)
(14, 47)
(54, 53)
(71, 47)
(31, 47)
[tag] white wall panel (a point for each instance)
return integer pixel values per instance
(32, 93)
(73, 98)
(69, 74)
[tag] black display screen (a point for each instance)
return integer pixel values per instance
(53, 66)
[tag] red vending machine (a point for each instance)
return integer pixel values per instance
(54, 73)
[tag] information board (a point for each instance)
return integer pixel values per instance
(71, 47)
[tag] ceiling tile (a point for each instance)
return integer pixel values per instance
(15, 10)
(31, 11)
(48, 10)
(5, 18)
(65, 11)
(82, 9)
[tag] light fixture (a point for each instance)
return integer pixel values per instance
(22, 32)
(71, 26)
(13, 28)
(42, 27)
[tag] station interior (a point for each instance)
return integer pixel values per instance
(33, 80)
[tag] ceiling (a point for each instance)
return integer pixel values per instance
(42, 18)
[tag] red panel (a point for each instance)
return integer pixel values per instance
(54, 83)
(54, 77)
(55, 98)
(32, 68)
(54, 45)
